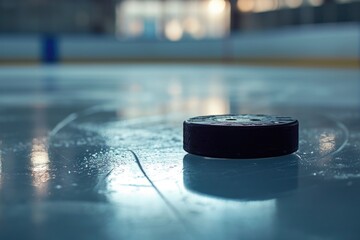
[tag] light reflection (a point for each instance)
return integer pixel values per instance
(217, 102)
(211, 105)
(39, 158)
(39, 166)
(266, 208)
(215, 105)
(126, 182)
(327, 142)
(261, 214)
(179, 100)
(127, 186)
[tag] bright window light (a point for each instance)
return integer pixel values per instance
(173, 30)
(265, 5)
(216, 7)
(172, 19)
(246, 5)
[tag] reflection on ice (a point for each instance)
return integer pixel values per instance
(327, 142)
(39, 166)
(241, 179)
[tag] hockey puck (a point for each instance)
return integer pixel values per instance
(241, 136)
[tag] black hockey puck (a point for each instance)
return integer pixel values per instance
(241, 136)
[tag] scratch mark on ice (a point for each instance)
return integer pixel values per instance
(162, 196)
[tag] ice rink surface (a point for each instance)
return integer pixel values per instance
(95, 152)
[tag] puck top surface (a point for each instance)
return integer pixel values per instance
(246, 120)
(241, 136)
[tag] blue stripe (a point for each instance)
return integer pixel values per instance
(50, 53)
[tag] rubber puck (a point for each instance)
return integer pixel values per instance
(241, 136)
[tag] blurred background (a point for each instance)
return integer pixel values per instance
(307, 32)
(68, 121)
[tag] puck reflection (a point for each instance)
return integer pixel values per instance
(259, 179)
